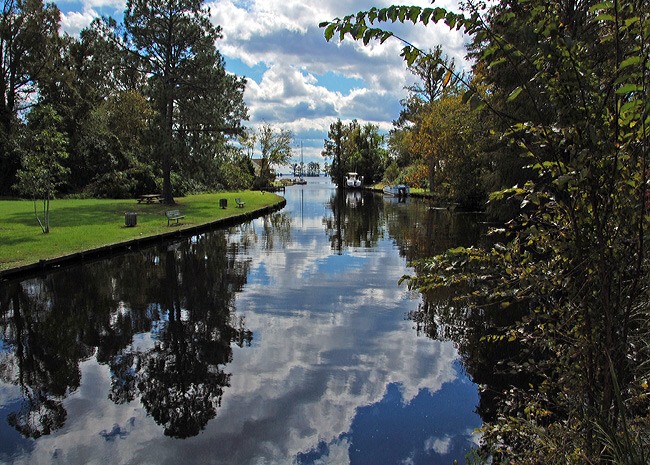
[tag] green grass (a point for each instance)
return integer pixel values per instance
(79, 225)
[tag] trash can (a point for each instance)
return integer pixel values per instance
(130, 219)
(223, 203)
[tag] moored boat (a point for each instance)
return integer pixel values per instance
(353, 180)
(398, 190)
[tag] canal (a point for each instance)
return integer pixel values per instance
(283, 340)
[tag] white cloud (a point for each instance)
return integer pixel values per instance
(438, 445)
(284, 38)
(77, 15)
(74, 21)
(104, 4)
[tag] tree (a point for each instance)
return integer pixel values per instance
(450, 139)
(29, 41)
(334, 149)
(113, 150)
(275, 145)
(435, 73)
(569, 84)
(247, 139)
(210, 110)
(175, 40)
(44, 149)
(433, 129)
(276, 150)
(357, 148)
(371, 155)
(88, 76)
(313, 169)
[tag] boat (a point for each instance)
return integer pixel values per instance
(299, 181)
(398, 190)
(353, 180)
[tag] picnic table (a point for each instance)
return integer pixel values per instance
(150, 198)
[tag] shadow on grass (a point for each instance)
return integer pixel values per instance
(11, 241)
(85, 215)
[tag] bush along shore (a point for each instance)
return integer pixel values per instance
(93, 228)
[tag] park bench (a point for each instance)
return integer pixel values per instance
(173, 215)
(239, 203)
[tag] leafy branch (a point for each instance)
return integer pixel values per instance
(359, 27)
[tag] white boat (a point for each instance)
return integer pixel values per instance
(353, 180)
(398, 190)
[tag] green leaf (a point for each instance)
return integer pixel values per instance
(633, 106)
(467, 95)
(414, 14)
(628, 88)
(392, 12)
(426, 15)
(563, 180)
(451, 20)
(601, 6)
(411, 54)
(606, 17)
(367, 36)
(514, 94)
(476, 103)
(498, 62)
(329, 31)
(630, 61)
(402, 14)
(385, 35)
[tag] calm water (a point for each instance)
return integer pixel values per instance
(284, 340)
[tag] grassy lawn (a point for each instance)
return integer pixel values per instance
(78, 225)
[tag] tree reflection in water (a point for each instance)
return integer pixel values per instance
(38, 415)
(181, 294)
(476, 329)
(422, 231)
(355, 219)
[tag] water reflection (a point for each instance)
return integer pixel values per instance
(444, 315)
(282, 340)
(181, 295)
(355, 219)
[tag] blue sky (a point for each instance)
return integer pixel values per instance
(296, 79)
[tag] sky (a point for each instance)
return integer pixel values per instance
(297, 80)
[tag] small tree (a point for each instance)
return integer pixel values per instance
(333, 149)
(43, 149)
(276, 150)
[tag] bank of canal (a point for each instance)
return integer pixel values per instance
(283, 339)
(191, 223)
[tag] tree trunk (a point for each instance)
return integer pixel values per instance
(168, 114)
(167, 193)
(46, 213)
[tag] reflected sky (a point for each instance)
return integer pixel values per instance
(335, 373)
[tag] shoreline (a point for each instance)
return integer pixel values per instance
(45, 265)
